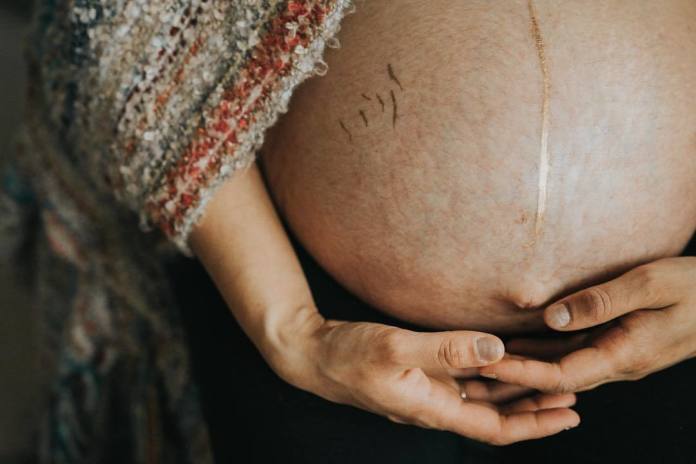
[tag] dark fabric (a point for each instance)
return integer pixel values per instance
(251, 412)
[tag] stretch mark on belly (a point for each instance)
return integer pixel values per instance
(366, 97)
(544, 160)
(364, 117)
(393, 77)
(345, 129)
(395, 113)
(381, 102)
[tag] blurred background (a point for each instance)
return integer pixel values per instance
(18, 382)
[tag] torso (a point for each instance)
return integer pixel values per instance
(431, 215)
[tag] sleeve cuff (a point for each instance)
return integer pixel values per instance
(232, 126)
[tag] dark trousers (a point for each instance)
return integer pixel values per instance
(251, 412)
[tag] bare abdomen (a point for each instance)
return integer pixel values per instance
(411, 171)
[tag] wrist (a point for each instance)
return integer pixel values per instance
(289, 345)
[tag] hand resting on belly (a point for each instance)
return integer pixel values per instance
(462, 164)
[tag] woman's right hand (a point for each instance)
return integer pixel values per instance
(412, 377)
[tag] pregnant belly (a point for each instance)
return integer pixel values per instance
(464, 164)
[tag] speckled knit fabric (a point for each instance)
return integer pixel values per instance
(138, 110)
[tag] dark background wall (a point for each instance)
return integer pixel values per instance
(20, 8)
(18, 367)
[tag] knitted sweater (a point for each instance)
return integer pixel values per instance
(137, 111)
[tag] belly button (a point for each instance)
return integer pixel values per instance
(526, 304)
(530, 295)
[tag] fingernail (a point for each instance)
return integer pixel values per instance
(489, 349)
(559, 316)
(488, 376)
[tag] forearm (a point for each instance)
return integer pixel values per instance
(243, 246)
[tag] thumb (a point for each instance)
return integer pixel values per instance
(450, 350)
(639, 288)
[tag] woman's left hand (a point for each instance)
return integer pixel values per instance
(646, 319)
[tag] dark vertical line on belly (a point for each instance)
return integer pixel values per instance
(395, 114)
(544, 158)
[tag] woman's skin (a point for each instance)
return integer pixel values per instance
(445, 235)
(408, 377)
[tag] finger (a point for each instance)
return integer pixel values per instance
(484, 423)
(444, 350)
(571, 373)
(540, 402)
(546, 348)
(640, 288)
(442, 409)
(537, 424)
(492, 392)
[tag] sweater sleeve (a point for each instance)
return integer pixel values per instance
(168, 99)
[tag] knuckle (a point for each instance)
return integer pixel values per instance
(629, 359)
(450, 355)
(646, 277)
(637, 362)
(645, 274)
(563, 384)
(596, 304)
(387, 346)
